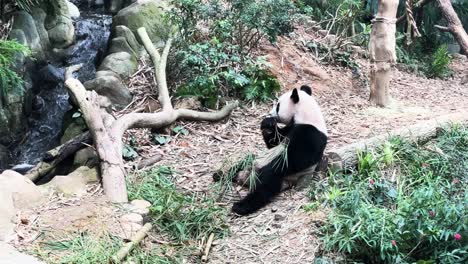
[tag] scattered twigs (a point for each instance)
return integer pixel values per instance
(207, 248)
(129, 246)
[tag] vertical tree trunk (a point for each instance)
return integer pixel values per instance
(382, 51)
(454, 25)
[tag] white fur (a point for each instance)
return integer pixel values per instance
(306, 111)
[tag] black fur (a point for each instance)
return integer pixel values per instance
(295, 96)
(305, 148)
(272, 134)
(306, 89)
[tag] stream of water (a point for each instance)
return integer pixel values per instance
(51, 102)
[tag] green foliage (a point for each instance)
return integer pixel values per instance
(27, 4)
(9, 79)
(183, 216)
(439, 67)
(215, 56)
(245, 164)
(87, 249)
(404, 203)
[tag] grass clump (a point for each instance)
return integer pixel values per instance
(87, 249)
(405, 203)
(183, 216)
(9, 79)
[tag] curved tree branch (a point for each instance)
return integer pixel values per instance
(108, 138)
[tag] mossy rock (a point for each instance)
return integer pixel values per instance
(147, 14)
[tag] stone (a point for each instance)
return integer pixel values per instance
(39, 16)
(148, 14)
(73, 9)
(4, 157)
(112, 88)
(129, 229)
(20, 37)
(72, 129)
(63, 33)
(25, 22)
(140, 207)
(10, 255)
(125, 32)
(122, 63)
(7, 214)
(24, 192)
(59, 24)
(120, 44)
(106, 73)
(86, 157)
(132, 218)
(191, 102)
(73, 184)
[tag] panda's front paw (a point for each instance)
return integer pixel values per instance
(268, 123)
(242, 208)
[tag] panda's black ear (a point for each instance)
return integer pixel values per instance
(306, 89)
(295, 96)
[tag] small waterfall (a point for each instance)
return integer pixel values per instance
(50, 101)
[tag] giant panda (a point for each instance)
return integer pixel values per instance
(304, 134)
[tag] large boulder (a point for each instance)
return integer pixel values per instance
(59, 24)
(39, 16)
(73, 9)
(9, 255)
(24, 192)
(111, 87)
(148, 14)
(25, 22)
(7, 214)
(74, 184)
(122, 63)
(125, 32)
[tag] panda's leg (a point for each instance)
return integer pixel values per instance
(305, 148)
(267, 186)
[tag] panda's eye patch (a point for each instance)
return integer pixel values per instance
(277, 107)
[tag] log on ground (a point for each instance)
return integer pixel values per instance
(345, 158)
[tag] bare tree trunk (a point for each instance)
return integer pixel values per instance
(107, 134)
(382, 51)
(454, 25)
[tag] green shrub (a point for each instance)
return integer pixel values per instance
(220, 62)
(9, 79)
(404, 203)
(439, 66)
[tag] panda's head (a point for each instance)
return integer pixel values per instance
(298, 106)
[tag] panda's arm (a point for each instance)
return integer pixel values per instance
(272, 134)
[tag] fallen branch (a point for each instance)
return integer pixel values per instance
(107, 136)
(345, 158)
(54, 156)
(129, 246)
(207, 248)
(442, 28)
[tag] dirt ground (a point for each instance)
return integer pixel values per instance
(282, 232)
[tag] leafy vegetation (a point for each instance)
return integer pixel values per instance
(215, 54)
(406, 203)
(88, 249)
(184, 216)
(9, 79)
(440, 62)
